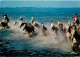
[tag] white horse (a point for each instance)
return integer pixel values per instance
(53, 29)
(44, 29)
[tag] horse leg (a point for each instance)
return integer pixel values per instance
(74, 40)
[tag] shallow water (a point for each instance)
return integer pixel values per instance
(15, 39)
(18, 41)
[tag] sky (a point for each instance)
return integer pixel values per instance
(41, 3)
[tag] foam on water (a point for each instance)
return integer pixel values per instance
(50, 42)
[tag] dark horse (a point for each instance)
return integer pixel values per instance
(28, 27)
(5, 25)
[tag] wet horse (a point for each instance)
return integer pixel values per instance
(53, 29)
(44, 29)
(27, 27)
(4, 24)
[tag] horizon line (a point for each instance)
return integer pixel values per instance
(40, 0)
(39, 7)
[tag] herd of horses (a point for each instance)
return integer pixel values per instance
(71, 31)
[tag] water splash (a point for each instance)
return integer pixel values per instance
(49, 42)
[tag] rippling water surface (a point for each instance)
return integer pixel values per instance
(15, 39)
